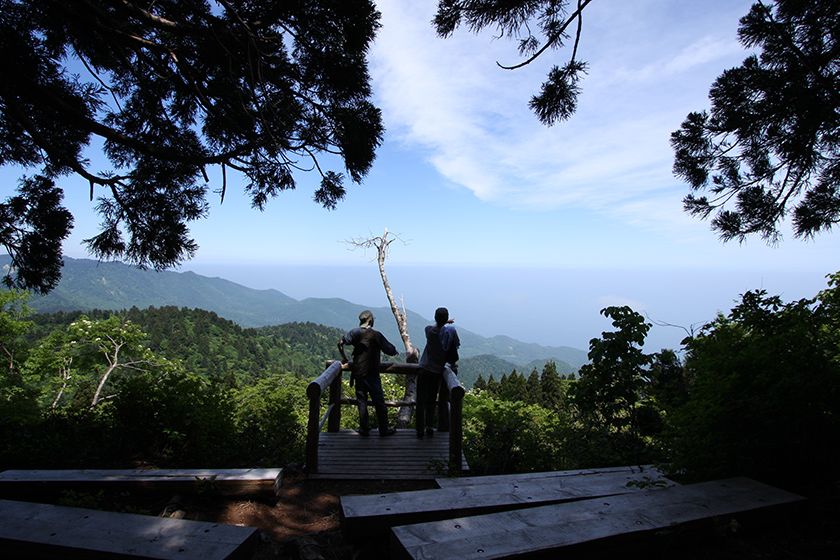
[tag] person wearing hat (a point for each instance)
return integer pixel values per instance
(442, 344)
(367, 344)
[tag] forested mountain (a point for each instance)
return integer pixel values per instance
(219, 348)
(87, 284)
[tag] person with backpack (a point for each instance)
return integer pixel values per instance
(442, 344)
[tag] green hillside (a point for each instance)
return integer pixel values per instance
(219, 348)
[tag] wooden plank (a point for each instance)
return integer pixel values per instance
(371, 515)
(348, 455)
(41, 530)
(545, 530)
(640, 473)
(222, 480)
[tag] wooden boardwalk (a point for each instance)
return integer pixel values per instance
(345, 455)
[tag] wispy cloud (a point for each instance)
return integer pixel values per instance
(471, 118)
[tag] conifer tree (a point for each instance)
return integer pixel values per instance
(551, 387)
(533, 390)
(492, 387)
(480, 384)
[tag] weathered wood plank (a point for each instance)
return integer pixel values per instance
(545, 530)
(348, 455)
(222, 480)
(370, 515)
(633, 472)
(40, 530)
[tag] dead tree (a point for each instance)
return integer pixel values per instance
(382, 243)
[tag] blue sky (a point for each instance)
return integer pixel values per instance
(520, 229)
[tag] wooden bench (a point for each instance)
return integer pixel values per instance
(640, 474)
(545, 531)
(15, 483)
(29, 530)
(372, 515)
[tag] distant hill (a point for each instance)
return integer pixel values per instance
(88, 284)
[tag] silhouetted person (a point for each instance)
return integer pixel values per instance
(442, 344)
(367, 344)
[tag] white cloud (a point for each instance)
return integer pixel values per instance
(448, 97)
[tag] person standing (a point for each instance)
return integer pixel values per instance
(367, 344)
(442, 344)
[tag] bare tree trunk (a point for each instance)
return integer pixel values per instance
(412, 355)
(64, 369)
(112, 365)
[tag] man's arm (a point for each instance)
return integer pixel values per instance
(341, 351)
(387, 348)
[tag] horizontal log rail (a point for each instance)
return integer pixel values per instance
(330, 382)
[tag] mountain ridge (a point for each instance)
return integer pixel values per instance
(87, 284)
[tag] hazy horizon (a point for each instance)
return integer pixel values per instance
(547, 306)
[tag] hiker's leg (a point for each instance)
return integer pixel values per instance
(361, 398)
(420, 417)
(377, 396)
(443, 407)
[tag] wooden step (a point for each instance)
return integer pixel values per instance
(545, 531)
(224, 481)
(29, 530)
(371, 515)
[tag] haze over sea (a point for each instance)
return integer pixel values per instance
(549, 306)
(520, 229)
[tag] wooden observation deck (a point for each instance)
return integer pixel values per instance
(344, 454)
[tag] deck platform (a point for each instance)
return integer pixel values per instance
(346, 455)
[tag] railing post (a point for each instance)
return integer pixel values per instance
(313, 429)
(334, 422)
(456, 428)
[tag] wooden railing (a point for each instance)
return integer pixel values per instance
(330, 381)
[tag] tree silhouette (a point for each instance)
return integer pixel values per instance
(169, 88)
(557, 99)
(771, 142)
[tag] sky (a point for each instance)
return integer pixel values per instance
(520, 229)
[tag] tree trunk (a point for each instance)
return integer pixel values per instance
(410, 394)
(112, 365)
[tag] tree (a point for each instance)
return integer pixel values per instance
(480, 384)
(552, 390)
(513, 388)
(492, 387)
(764, 392)
(771, 142)
(78, 362)
(557, 99)
(14, 323)
(17, 401)
(610, 385)
(169, 88)
(533, 391)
